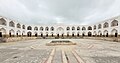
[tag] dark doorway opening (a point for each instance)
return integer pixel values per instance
(36, 35)
(10, 34)
(17, 34)
(83, 34)
(29, 34)
(41, 35)
(72, 35)
(67, 35)
(52, 35)
(89, 34)
(106, 34)
(100, 34)
(0, 34)
(78, 35)
(116, 34)
(57, 35)
(46, 35)
(62, 35)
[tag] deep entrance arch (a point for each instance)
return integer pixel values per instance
(36, 34)
(41, 34)
(11, 33)
(106, 34)
(83, 34)
(57, 35)
(46, 35)
(67, 35)
(52, 35)
(89, 34)
(29, 34)
(100, 34)
(0, 34)
(73, 35)
(17, 34)
(60, 31)
(62, 35)
(116, 34)
(78, 34)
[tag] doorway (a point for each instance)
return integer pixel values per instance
(0, 34)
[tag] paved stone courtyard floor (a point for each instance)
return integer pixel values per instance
(35, 51)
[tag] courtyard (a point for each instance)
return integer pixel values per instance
(35, 51)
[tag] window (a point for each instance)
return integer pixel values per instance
(18, 25)
(105, 25)
(2, 21)
(29, 28)
(11, 24)
(89, 28)
(99, 26)
(114, 23)
(68, 28)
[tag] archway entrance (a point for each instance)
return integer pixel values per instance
(106, 34)
(73, 35)
(78, 35)
(52, 35)
(67, 35)
(62, 35)
(11, 33)
(35, 34)
(41, 35)
(17, 34)
(100, 34)
(29, 34)
(60, 31)
(89, 34)
(116, 34)
(57, 35)
(83, 34)
(46, 35)
(0, 34)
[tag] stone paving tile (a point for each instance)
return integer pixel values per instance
(35, 51)
(71, 57)
(30, 56)
(106, 59)
(7, 53)
(57, 57)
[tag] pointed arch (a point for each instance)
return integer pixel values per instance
(2, 32)
(105, 25)
(11, 33)
(114, 23)
(11, 24)
(105, 33)
(36, 28)
(68, 28)
(114, 33)
(83, 28)
(29, 28)
(18, 25)
(89, 28)
(3, 21)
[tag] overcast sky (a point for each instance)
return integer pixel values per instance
(81, 12)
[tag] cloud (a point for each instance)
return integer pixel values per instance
(59, 11)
